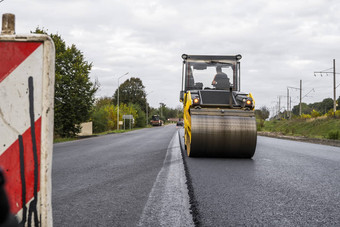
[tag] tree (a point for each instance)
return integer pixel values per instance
(165, 112)
(102, 101)
(74, 92)
(100, 119)
(179, 111)
(326, 105)
(305, 109)
(131, 91)
(141, 116)
(321, 107)
(105, 116)
(262, 113)
(315, 114)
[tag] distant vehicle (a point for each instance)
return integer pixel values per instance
(180, 122)
(155, 121)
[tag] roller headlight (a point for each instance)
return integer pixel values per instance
(196, 101)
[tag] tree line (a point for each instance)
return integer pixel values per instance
(75, 103)
(321, 108)
(312, 110)
(132, 101)
(104, 116)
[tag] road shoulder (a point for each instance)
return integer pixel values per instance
(168, 203)
(335, 143)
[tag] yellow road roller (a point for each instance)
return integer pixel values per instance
(219, 119)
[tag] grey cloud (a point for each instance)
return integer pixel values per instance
(281, 41)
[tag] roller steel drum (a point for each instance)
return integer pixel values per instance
(223, 133)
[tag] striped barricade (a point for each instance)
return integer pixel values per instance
(26, 125)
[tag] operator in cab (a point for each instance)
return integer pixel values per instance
(221, 80)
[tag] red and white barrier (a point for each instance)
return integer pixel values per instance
(26, 125)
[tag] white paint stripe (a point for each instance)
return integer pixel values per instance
(14, 103)
(168, 203)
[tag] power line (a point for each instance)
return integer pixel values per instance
(326, 69)
(312, 90)
(334, 82)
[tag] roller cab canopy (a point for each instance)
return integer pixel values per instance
(207, 72)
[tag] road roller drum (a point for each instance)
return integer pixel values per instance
(223, 135)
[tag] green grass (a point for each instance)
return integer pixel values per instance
(328, 128)
(116, 131)
(61, 140)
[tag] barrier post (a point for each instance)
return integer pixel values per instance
(26, 122)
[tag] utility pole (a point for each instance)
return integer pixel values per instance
(300, 97)
(289, 99)
(118, 101)
(334, 87)
(161, 109)
(287, 103)
(334, 83)
(279, 107)
(147, 108)
(147, 115)
(290, 107)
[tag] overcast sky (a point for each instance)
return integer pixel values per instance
(281, 41)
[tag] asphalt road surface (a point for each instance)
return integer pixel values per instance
(287, 183)
(120, 180)
(139, 179)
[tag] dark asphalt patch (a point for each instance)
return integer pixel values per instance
(192, 200)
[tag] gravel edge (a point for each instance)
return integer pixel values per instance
(335, 143)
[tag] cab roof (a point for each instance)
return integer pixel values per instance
(211, 57)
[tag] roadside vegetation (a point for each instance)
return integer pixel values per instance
(327, 128)
(316, 121)
(104, 115)
(75, 103)
(74, 91)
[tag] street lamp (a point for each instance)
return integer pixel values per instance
(118, 101)
(146, 105)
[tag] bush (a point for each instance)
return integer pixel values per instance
(337, 114)
(100, 120)
(306, 116)
(286, 131)
(259, 124)
(140, 118)
(333, 135)
(330, 113)
(315, 114)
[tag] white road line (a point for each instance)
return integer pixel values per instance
(168, 203)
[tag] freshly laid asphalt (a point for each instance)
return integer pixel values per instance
(139, 178)
(286, 183)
